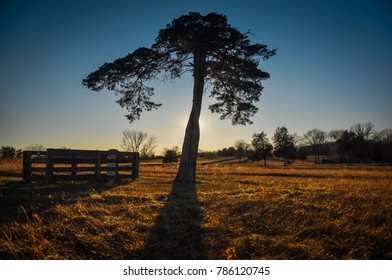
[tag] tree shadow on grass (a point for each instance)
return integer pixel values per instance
(176, 233)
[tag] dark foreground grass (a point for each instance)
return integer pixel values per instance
(235, 211)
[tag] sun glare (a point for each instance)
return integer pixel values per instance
(202, 122)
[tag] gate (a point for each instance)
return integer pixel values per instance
(63, 164)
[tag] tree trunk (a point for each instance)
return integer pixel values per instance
(187, 169)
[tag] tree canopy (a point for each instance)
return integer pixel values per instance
(261, 146)
(284, 144)
(230, 65)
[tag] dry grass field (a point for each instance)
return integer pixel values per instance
(235, 211)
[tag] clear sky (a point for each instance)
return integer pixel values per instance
(333, 69)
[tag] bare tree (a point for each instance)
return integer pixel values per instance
(384, 135)
(297, 140)
(336, 134)
(364, 130)
(148, 147)
(138, 141)
(241, 147)
(35, 147)
(316, 138)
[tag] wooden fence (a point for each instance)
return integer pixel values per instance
(63, 164)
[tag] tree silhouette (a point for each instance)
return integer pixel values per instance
(364, 130)
(8, 152)
(346, 144)
(242, 147)
(261, 146)
(316, 138)
(214, 52)
(284, 144)
(138, 141)
(170, 155)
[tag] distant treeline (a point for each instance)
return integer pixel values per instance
(362, 143)
(359, 144)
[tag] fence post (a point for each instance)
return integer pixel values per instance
(112, 170)
(49, 165)
(135, 166)
(74, 166)
(27, 165)
(98, 166)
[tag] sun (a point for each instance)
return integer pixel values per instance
(202, 122)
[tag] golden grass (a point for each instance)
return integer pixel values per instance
(237, 211)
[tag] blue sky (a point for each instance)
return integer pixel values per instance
(332, 69)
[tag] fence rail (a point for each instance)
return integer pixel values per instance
(60, 164)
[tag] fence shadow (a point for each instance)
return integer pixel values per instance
(39, 197)
(177, 233)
